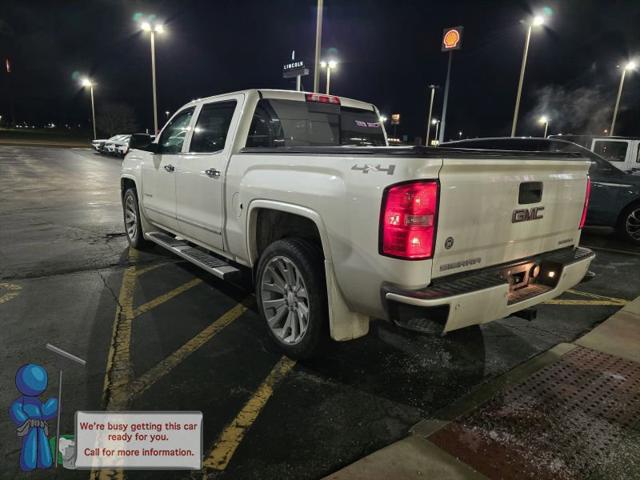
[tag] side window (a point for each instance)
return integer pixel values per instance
(174, 133)
(210, 132)
(612, 150)
(265, 130)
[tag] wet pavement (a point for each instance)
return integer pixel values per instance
(196, 343)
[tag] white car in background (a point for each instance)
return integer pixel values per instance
(117, 145)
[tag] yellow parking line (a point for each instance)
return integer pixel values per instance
(165, 297)
(613, 250)
(118, 370)
(230, 438)
(596, 296)
(593, 299)
(585, 302)
(165, 366)
(148, 268)
(12, 291)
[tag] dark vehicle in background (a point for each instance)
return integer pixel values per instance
(615, 195)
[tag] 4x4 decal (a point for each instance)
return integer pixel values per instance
(366, 168)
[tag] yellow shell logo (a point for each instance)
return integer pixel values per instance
(451, 38)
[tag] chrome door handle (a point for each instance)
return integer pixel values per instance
(169, 168)
(212, 172)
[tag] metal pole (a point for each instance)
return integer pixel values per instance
(58, 421)
(433, 91)
(328, 78)
(93, 113)
(446, 98)
(153, 78)
(546, 127)
(316, 67)
(615, 110)
(522, 69)
(438, 128)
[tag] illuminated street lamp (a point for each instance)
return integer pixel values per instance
(436, 122)
(153, 28)
(88, 83)
(433, 93)
(630, 66)
(329, 65)
(537, 21)
(383, 118)
(544, 120)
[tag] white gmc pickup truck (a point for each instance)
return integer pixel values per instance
(337, 228)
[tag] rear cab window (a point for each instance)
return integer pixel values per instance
(292, 123)
(612, 150)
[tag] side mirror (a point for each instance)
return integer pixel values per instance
(142, 141)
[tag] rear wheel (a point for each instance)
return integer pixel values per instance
(291, 294)
(132, 222)
(629, 225)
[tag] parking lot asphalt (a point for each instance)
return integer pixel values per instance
(159, 334)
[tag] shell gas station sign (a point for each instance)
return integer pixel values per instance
(452, 39)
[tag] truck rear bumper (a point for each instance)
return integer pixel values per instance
(489, 294)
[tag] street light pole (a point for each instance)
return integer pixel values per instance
(437, 124)
(316, 68)
(153, 81)
(329, 65)
(153, 29)
(433, 92)
(545, 121)
(86, 82)
(537, 21)
(629, 66)
(328, 78)
(93, 112)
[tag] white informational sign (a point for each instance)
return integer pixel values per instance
(145, 440)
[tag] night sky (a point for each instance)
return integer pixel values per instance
(389, 51)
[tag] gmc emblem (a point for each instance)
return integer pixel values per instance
(527, 214)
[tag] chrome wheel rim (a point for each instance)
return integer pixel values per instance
(633, 224)
(285, 300)
(130, 218)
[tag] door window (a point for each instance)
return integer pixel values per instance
(174, 133)
(210, 132)
(612, 150)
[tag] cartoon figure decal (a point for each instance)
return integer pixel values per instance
(30, 416)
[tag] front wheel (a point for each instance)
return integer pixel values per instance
(291, 293)
(132, 221)
(629, 226)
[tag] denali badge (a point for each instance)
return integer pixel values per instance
(526, 214)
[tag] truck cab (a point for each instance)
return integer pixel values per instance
(622, 152)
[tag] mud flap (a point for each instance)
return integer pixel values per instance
(343, 323)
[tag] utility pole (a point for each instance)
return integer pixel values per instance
(433, 92)
(536, 22)
(446, 99)
(316, 67)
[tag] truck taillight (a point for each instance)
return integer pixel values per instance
(408, 220)
(586, 203)
(319, 98)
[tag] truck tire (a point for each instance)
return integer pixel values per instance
(629, 224)
(292, 297)
(132, 223)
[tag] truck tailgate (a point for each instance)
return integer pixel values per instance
(498, 210)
